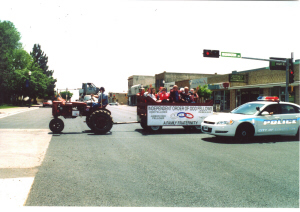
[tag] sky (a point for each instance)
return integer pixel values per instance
(105, 42)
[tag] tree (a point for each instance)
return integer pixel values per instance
(19, 66)
(21, 63)
(64, 93)
(41, 59)
(9, 41)
(204, 93)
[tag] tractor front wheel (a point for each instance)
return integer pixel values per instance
(56, 125)
(101, 121)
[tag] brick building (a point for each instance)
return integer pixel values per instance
(134, 83)
(166, 77)
(121, 98)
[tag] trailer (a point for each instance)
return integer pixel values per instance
(153, 115)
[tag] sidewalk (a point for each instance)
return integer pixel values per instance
(16, 110)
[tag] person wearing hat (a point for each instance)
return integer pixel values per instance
(102, 98)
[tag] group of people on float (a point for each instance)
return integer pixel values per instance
(175, 95)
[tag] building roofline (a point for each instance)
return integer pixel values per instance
(257, 69)
(183, 73)
(141, 76)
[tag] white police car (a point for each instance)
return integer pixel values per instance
(267, 116)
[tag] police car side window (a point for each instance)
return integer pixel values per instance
(272, 109)
(287, 109)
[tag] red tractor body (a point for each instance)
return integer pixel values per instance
(97, 118)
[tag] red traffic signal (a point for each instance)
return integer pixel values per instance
(291, 76)
(211, 53)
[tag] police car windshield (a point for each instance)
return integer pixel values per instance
(247, 109)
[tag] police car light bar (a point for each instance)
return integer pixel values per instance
(268, 98)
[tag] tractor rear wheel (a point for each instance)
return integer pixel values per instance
(101, 121)
(56, 125)
(88, 122)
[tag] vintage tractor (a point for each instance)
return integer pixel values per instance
(98, 119)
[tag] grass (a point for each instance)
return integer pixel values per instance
(5, 106)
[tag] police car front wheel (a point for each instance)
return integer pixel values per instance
(244, 133)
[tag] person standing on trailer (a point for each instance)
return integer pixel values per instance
(175, 95)
(164, 96)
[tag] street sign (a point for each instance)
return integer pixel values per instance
(230, 54)
(279, 65)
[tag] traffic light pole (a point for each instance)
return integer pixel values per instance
(287, 72)
(287, 80)
(215, 53)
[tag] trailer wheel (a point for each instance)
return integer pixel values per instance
(154, 128)
(193, 128)
(144, 123)
(101, 121)
(198, 128)
(56, 125)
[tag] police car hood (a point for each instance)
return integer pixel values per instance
(227, 116)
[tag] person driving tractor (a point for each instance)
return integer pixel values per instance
(102, 98)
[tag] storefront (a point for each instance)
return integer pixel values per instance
(221, 96)
(220, 93)
(132, 99)
(244, 94)
(247, 95)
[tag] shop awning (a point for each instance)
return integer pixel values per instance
(269, 85)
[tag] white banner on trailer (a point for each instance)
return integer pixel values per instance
(177, 115)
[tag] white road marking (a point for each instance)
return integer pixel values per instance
(14, 191)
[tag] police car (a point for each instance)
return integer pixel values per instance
(266, 116)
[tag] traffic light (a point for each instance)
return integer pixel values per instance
(211, 53)
(291, 72)
(291, 76)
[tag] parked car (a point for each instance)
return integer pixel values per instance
(114, 104)
(47, 103)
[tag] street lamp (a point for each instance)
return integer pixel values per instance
(29, 73)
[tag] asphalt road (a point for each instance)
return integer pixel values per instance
(175, 168)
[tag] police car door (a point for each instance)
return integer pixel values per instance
(267, 124)
(289, 119)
